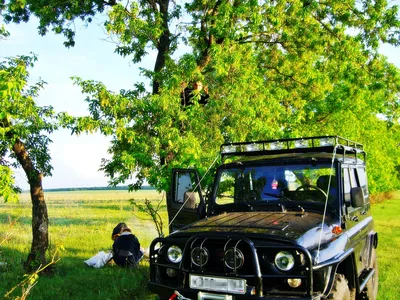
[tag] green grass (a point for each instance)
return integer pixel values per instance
(387, 224)
(82, 221)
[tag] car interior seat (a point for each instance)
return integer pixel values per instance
(190, 200)
(323, 183)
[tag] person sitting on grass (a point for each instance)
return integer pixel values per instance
(126, 248)
(118, 230)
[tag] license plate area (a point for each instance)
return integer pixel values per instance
(217, 284)
(208, 296)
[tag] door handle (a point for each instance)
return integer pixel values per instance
(354, 218)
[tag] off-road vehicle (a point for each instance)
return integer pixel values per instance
(284, 219)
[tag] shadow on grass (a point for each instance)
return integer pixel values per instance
(87, 222)
(55, 221)
(5, 218)
(73, 279)
(125, 207)
(11, 270)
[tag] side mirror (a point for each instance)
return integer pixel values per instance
(357, 197)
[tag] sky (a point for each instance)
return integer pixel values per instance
(76, 159)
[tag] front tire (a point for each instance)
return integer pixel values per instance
(340, 289)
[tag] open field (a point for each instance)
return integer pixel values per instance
(387, 224)
(82, 221)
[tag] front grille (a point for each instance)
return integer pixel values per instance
(258, 267)
(217, 263)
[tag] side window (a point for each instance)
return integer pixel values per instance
(185, 193)
(226, 188)
(346, 185)
(362, 179)
(353, 180)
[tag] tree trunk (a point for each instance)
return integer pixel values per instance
(162, 46)
(40, 224)
(40, 220)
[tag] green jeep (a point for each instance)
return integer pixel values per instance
(284, 219)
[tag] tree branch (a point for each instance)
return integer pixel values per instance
(262, 42)
(208, 37)
(285, 75)
(110, 2)
(153, 5)
(327, 28)
(25, 161)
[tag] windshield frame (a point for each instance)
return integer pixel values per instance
(333, 207)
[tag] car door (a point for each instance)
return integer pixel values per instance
(356, 214)
(185, 202)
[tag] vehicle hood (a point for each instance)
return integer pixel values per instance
(301, 228)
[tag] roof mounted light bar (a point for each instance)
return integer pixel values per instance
(292, 145)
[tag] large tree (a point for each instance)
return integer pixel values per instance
(274, 69)
(24, 129)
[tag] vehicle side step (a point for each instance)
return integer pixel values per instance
(367, 277)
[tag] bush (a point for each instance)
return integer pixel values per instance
(381, 197)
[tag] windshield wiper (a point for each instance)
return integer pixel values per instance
(238, 202)
(287, 200)
(255, 204)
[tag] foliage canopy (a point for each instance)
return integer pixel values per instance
(24, 129)
(274, 69)
(22, 120)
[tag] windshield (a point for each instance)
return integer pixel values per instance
(258, 185)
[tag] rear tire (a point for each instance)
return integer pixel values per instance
(340, 289)
(370, 291)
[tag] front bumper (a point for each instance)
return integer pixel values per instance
(263, 281)
(165, 292)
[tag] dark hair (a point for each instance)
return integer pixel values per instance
(118, 229)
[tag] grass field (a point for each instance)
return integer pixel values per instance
(82, 222)
(387, 224)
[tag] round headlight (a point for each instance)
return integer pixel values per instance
(174, 254)
(234, 258)
(199, 256)
(284, 261)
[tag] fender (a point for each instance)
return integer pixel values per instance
(332, 266)
(373, 236)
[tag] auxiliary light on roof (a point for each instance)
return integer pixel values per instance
(326, 142)
(306, 144)
(276, 145)
(254, 147)
(301, 144)
(229, 149)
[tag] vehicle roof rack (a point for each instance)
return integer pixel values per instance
(293, 145)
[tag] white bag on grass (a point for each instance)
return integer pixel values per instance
(99, 260)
